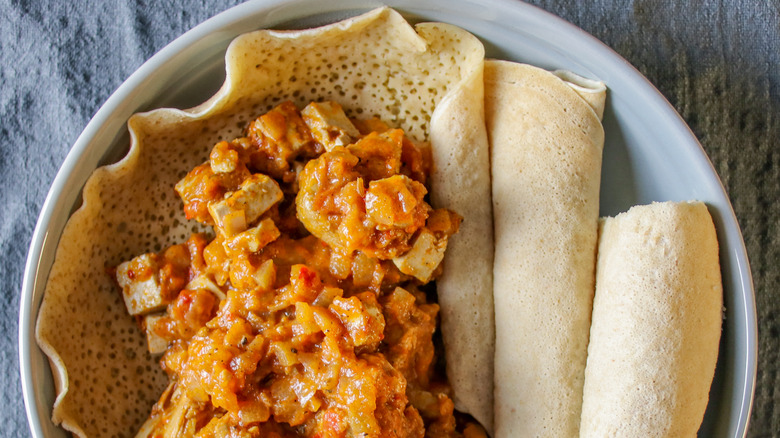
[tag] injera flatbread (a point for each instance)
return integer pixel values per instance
(374, 64)
(656, 323)
(546, 143)
(461, 181)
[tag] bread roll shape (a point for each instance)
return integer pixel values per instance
(656, 323)
(461, 181)
(546, 141)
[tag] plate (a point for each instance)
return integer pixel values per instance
(649, 155)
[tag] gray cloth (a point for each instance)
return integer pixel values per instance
(715, 60)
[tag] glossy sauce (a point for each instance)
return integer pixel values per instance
(298, 320)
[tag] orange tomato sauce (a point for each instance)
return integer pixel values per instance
(308, 311)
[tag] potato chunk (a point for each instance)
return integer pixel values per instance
(223, 158)
(428, 247)
(141, 288)
(156, 343)
(424, 257)
(329, 125)
(202, 187)
(253, 198)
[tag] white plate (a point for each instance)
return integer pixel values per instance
(649, 155)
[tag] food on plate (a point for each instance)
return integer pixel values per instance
(304, 315)
(373, 65)
(325, 215)
(656, 323)
(460, 180)
(546, 142)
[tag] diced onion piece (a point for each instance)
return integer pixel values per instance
(364, 269)
(182, 421)
(327, 295)
(252, 411)
(426, 254)
(239, 334)
(304, 320)
(204, 282)
(327, 322)
(217, 262)
(140, 285)
(285, 353)
(265, 276)
(255, 238)
(329, 125)
(362, 317)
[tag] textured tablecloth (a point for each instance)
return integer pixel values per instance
(716, 61)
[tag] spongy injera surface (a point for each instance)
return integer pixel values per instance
(374, 65)
(714, 60)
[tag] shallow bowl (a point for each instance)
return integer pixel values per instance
(649, 155)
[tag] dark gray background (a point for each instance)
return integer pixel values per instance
(716, 61)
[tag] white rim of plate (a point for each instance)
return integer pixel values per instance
(68, 180)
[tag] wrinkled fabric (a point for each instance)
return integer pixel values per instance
(715, 60)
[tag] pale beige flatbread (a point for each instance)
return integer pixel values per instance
(546, 142)
(461, 181)
(374, 64)
(592, 91)
(656, 323)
